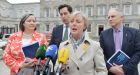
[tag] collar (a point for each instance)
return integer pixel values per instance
(120, 29)
(79, 41)
(64, 25)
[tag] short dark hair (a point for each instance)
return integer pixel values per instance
(22, 21)
(65, 5)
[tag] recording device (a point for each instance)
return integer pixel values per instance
(63, 55)
(40, 55)
(50, 54)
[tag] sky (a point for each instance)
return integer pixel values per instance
(22, 1)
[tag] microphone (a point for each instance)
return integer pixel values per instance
(63, 55)
(41, 52)
(51, 53)
(40, 55)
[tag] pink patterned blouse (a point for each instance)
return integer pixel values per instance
(13, 55)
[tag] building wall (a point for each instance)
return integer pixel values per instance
(47, 13)
(99, 9)
(10, 15)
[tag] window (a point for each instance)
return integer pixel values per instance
(89, 28)
(56, 13)
(127, 10)
(7, 30)
(127, 25)
(139, 9)
(89, 11)
(16, 27)
(78, 8)
(101, 10)
(100, 29)
(47, 12)
(47, 27)
(114, 6)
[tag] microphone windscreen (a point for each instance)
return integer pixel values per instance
(41, 51)
(51, 51)
(63, 55)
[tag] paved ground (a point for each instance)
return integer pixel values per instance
(5, 71)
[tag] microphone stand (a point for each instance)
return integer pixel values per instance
(37, 71)
(46, 67)
(58, 71)
(47, 71)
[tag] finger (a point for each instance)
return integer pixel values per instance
(120, 72)
(121, 65)
(114, 64)
(26, 60)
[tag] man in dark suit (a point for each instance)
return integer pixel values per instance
(59, 31)
(121, 38)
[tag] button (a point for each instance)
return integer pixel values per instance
(68, 67)
(77, 68)
(81, 59)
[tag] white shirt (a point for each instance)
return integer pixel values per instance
(25, 42)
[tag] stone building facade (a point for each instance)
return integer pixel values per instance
(48, 17)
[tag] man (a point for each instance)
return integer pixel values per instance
(127, 40)
(58, 34)
(61, 32)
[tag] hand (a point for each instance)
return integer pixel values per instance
(122, 72)
(117, 69)
(120, 69)
(28, 62)
(63, 67)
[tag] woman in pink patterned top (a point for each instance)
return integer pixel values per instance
(13, 55)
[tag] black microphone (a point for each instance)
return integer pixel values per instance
(40, 55)
(51, 53)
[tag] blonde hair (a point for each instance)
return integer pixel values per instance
(76, 13)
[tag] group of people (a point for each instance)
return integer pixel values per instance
(86, 56)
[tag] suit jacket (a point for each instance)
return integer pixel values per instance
(88, 59)
(13, 55)
(130, 45)
(57, 35)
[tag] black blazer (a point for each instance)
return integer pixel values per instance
(130, 45)
(57, 34)
(56, 39)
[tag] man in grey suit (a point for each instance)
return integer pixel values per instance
(121, 38)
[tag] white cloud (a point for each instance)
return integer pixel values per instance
(22, 1)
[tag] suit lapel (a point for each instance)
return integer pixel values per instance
(82, 49)
(111, 39)
(61, 32)
(78, 53)
(73, 56)
(125, 35)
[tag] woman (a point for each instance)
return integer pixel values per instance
(13, 53)
(85, 55)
